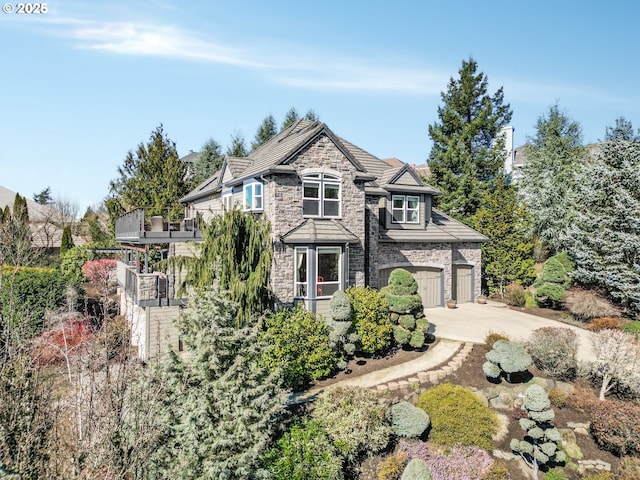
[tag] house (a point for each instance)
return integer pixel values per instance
(339, 217)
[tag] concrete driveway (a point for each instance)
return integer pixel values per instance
(471, 322)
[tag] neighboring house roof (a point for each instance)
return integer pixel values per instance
(394, 162)
(441, 228)
(209, 186)
(319, 231)
(190, 157)
(47, 235)
(36, 211)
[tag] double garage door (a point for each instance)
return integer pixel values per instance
(430, 283)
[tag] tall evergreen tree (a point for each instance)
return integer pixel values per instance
(604, 235)
(467, 151)
(508, 256)
(311, 115)
(153, 178)
(223, 405)
(554, 156)
(15, 235)
(265, 132)
(209, 161)
(622, 130)
(290, 118)
(237, 148)
(66, 242)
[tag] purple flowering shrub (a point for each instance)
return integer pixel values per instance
(461, 463)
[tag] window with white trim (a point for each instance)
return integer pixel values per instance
(227, 201)
(405, 209)
(253, 195)
(320, 195)
(328, 270)
(301, 269)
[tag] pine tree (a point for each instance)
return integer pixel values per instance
(209, 161)
(467, 151)
(44, 197)
(237, 148)
(622, 130)
(604, 235)
(554, 156)
(265, 132)
(290, 118)
(66, 243)
(236, 253)
(508, 256)
(153, 178)
(223, 405)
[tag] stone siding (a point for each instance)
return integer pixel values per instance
(283, 208)
(372, 245)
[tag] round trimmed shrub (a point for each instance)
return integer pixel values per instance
(401, 282)
(408, 421)
(401, 335)
(417, 339)
(340, 306)
(550, 294)
(355, 419)
(510, 357)
(416, 469)
(553, 271)
(403, 304)
(407, 321)
(491, 370)
(458, 417)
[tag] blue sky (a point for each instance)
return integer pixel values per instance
(87, 81)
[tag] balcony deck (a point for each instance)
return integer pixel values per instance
(136, 228)
(148, 289)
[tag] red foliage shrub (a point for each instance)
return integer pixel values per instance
(50, 347)
(604, 323)
(519, 413)
(99, 271)
(615, 426)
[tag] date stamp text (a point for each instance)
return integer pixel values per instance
(24, 8)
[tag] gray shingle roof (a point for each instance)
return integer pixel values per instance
(441, 228)
(319, 231)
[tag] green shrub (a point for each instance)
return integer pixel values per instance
(401, 282)
(458, 417)
(558, 398)
(340, 306)
(416, 469)
(408, 421)
(403, 304)
(401, 335)
(515, 294)
(28, 294)
(632, 327)
(392, 467)
(600, 475)
(497, 471)
(530, 300)
(371, 319)
(554, 351)
(355, 419)
(563, 258)
(509, 357)
(407, 321)
(553, 271)
(72, 261)
(417, 339)
(299, 346)
(555, 474)
(550, 295)
(304, 452)
(615, 427)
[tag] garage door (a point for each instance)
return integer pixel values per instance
(429, 283)
(463, 283)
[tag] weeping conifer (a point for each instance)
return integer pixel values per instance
(236, 254)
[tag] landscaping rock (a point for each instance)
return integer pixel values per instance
(581, 431)
(504, 401)
(575, 425)
(502, 455)
(564, 387)
(543, 382)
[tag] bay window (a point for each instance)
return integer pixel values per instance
(318, 271)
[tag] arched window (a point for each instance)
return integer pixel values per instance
(321, 195)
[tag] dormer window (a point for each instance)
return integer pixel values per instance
(405, 209)
(253, 195)
(320, 195)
